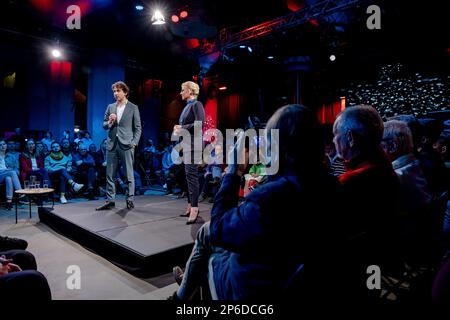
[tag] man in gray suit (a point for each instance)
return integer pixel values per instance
(123, 122)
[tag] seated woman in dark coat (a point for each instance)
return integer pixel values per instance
(254, 250)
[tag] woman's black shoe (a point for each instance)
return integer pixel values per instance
(193, 220)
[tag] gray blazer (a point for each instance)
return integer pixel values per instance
(128, 130)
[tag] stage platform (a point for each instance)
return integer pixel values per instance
(146, 241)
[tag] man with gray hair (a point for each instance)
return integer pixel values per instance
(398, 144)
(370, 192)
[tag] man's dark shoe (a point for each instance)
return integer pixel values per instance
(107, 206)
(130, 204)
(7, 243)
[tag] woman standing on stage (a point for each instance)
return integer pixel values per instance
(192, 112)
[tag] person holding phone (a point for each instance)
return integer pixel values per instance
(256, 250)
(123, 122)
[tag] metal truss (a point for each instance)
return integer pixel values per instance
(291, 20)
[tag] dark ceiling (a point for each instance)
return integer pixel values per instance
(409, 31)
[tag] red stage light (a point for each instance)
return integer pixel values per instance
(192, 43)
(295, 5)
(43, 5)
(175, 18)
(183, 14)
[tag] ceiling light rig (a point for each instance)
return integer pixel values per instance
(180, 14)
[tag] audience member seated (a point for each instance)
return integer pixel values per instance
(32, 164)
(19, 277)
(431, 163)
(19, 139)
(59, 167)
(92, 149)
(147, 163)
(442, 147)
(415, 196)
(370, 188)
(66, 148)
(398, 145)
(166, 163)
(66, 135)
(254, 250)
(213, 175)
(48, 139)
(176, 179)
(255, 176)
(86, 138)
(9, 177)
(83, 166)
(77, 138)
(12, 157)
(41, 150)
(149, 146)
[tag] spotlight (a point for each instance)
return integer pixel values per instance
(249, 49)
(332, 57)
(223, 88)
(242, 47)
(56, 53)
(158, 18)
(139, 7)
(175, 18)
(270, 57)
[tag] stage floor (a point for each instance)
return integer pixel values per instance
(148, 236)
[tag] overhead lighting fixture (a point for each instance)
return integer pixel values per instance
(223, 88)
(270, 57)
(56, 53)
(242, 47)
(183, 14)
(175, 18)
(332, 57)
(158, 18)
(249, 49)
(139, 7)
